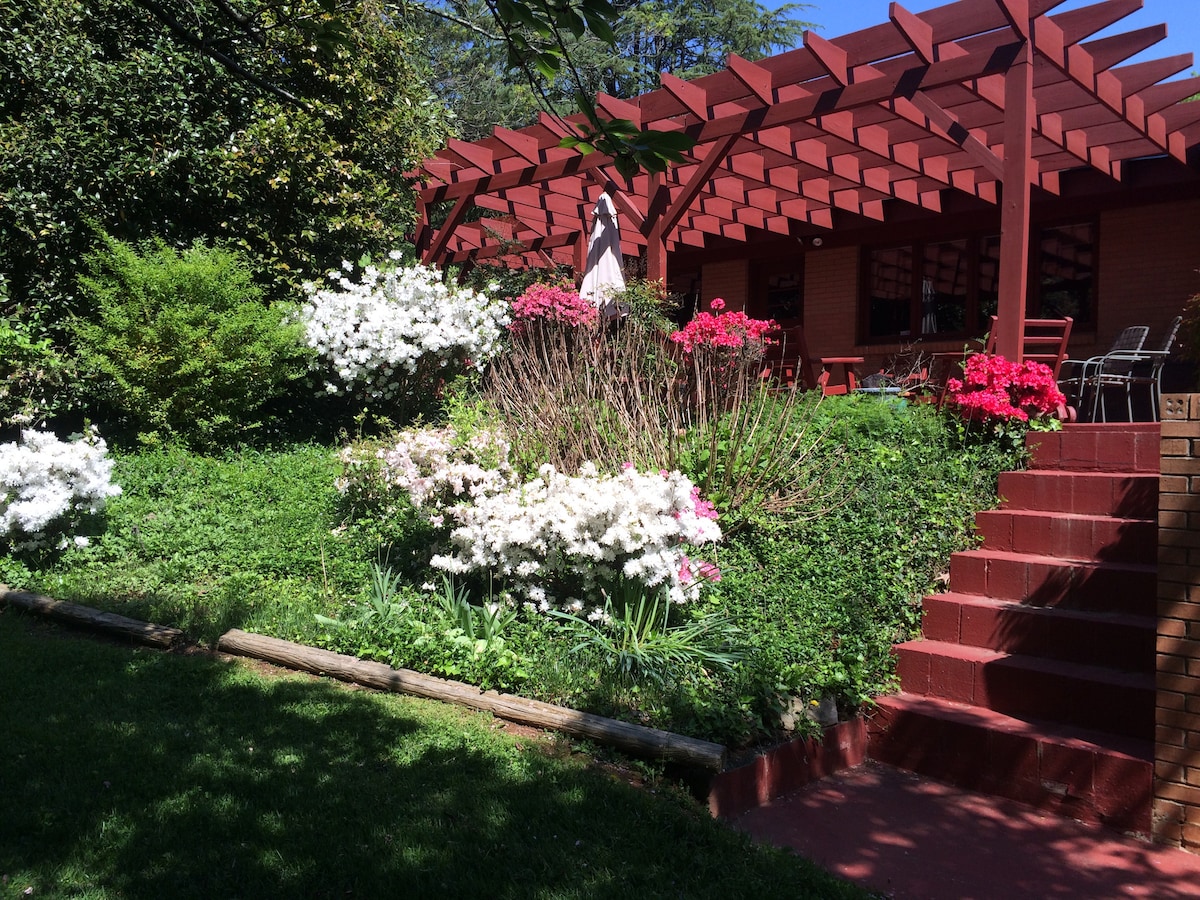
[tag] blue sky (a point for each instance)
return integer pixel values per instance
(838, 17)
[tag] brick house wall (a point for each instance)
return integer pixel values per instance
(728, 280)
(831, 301)
(1148, 261)
(1176, 814)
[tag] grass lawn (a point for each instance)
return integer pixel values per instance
(133, 773)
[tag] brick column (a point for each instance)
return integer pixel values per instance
(1177, 735)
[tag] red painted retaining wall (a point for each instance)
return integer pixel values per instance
(785, 768)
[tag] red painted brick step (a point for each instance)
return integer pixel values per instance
(1068, 535)
(1029, 686)
(1126, 494)
(1091, 776)
(1112, 447)
(1113, 639)
(1050, 581)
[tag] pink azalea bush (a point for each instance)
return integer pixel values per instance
(551, 303)
(729, 330)
(996, 390)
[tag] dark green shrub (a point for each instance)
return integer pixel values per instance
(180, 344)
(33, 373)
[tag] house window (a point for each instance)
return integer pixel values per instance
(944, 289)
(1067, 269)
(779, 292)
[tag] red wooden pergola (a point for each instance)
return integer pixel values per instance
(985, 97)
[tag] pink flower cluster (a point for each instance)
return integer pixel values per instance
(994, 389)
(731, 330)
(703, 571)
(552, 303)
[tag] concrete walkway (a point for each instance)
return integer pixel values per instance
(909, 837)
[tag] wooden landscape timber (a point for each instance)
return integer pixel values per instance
(86, 617)
(636, 739)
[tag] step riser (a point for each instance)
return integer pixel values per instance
(1111, 540)
(1010, 687)
(1069, 585)
(1131, 496)
(1090, 640)
(1098, 448)
(1069, 779)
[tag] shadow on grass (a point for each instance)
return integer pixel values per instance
(138, 774)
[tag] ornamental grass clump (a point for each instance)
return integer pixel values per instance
(695, 400)
(397, 333)
(48, 486)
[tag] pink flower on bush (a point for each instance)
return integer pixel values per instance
(704, 508)
(552, 303)
(993, 389)
(704, 571)
(730, 330)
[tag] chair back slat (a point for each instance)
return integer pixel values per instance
(1172, 333)
(1131, 338)
(1044, 341)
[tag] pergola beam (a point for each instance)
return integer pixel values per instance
(909, 110)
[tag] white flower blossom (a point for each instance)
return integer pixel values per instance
(47, 484)
(376, 332)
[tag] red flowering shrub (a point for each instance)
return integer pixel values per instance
(993, 389)
(731, 330)
(552, 303)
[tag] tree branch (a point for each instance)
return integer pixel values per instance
(206, 49)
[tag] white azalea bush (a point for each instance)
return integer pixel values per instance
(430, 467)
(48, 485)
(398, 331)
(589, 531)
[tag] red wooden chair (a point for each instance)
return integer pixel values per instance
(1043, 340)
(787, 359)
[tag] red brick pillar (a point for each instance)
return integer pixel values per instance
(1177, 736)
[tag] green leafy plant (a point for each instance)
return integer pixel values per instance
(638, 642)
(481, 625)
(180, 344)
(33, 374)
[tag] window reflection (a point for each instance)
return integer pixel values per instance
(1067, 263)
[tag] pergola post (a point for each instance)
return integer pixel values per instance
(655, 230)
(1014, 215)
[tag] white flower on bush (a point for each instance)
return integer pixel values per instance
(588, 528)
(395, 321)
(434, 467)
(47, 484)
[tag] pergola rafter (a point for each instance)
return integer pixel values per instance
(983, 98)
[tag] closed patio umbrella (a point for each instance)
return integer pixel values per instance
(602, 276)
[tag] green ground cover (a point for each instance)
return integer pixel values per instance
(132, 773)
(262, 540)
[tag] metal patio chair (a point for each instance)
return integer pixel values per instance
(1089, 377)
(1145, 370)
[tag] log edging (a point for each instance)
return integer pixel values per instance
(136, 630)
(637, 739)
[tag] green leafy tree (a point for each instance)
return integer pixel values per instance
(475, 73)
(296, 154)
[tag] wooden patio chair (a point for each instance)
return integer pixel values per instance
(1043, 340)
(787, 359)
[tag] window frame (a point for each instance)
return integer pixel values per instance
(973, 318)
